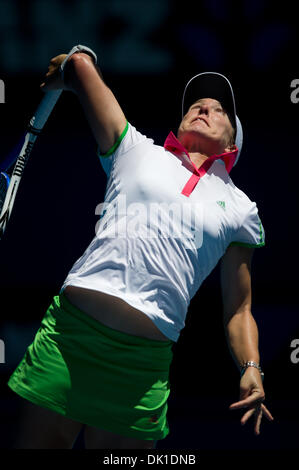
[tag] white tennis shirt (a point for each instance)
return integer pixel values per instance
(164, 226)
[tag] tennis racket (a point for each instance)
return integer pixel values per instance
(9, 181)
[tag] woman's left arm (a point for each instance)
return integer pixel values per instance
(242, 332)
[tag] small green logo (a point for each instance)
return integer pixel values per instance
(221, 204)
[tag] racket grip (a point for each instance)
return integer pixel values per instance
(43, 111)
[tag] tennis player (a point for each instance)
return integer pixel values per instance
(101, 357)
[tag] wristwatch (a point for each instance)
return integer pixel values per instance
(78, 48)
(251, 364)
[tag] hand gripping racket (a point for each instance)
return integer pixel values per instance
(9, 184)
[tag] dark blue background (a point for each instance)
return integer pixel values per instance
(147, 63)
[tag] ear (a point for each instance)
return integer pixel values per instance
(230, 148)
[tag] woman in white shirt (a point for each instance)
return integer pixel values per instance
(102, 355)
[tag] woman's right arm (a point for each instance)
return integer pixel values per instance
(101, 108)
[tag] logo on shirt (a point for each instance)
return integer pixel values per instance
(221, 204)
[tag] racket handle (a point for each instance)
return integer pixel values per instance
(43, 111)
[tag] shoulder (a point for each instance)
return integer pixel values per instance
(127, 140)
(243, 202)
(250, 232)
(132, 142)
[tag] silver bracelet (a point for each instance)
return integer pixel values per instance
(252, 364)
(75, 49)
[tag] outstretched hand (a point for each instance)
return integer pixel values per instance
(252, 396)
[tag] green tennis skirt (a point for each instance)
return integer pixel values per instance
(96, 375)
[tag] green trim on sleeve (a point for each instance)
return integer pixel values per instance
(253, 245)
(117, 143)
(261, 232)
(248, 245)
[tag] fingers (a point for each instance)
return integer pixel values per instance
(258, 414)
(52, 78)
(257, 411)
(258, 419)
(57, 60)
(48, 83)
(267, 413)
(255, 397)
(246, 416)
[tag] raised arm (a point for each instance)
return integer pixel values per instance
(102, 110)
(241, 330)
